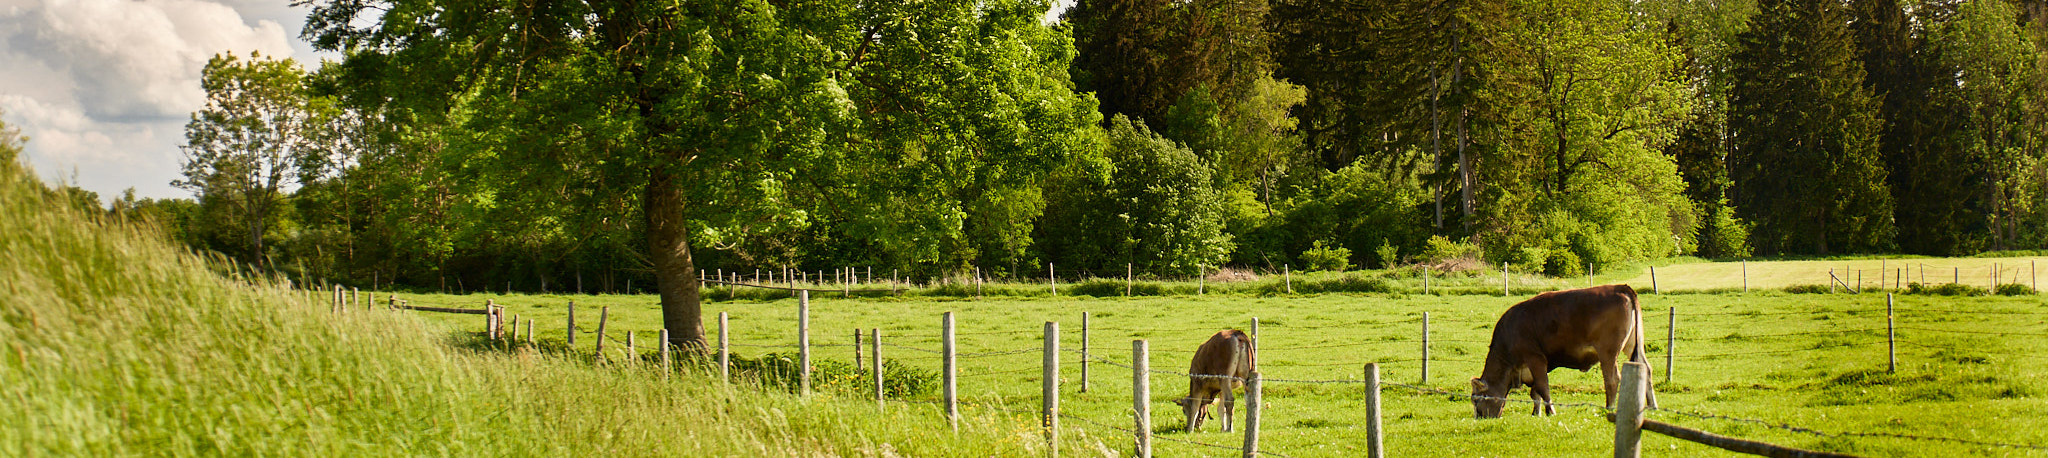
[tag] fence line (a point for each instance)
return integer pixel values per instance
(1816, 432)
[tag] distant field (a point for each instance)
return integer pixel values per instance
(1874, 273)
(1809, 360)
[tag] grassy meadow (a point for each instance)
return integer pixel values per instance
(115, 343)
(1811, 360)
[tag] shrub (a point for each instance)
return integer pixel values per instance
(1442, 250)
(1948, 289)
(1323, 257)
(2015, 289)
(1564, 263)
(1113, 288)
(1349, 283)
(1807, 289)
(1390, 255)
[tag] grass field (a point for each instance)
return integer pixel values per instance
(113, 343)
(1810, 360)
(1870, 273)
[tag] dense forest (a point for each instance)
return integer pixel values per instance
(595, 144)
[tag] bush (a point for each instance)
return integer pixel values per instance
(1948, 289)
(1441, 250)
(1390, 255)
(1112, 288)
(1807, 289)
(1349, 283)
(2015, 289)
(1564, 263)
(1325, 258)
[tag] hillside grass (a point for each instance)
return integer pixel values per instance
(115, 343)
(1809, 360)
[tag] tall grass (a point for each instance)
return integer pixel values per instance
(114, 343)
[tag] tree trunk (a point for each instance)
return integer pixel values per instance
(668, 245)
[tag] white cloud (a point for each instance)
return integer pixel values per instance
(104, 87)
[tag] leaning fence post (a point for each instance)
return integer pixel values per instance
(1670, 343)
(1084, 352)
(1653, 281)
(1891, 337)
(1373, 444)
(803, 342)
(952, 392)
(875, 348)
(1628, 412)
(1050, 389)
(603, 314)
(1251, 416)
(1141, 397)
(1425, 348)
(724, 352)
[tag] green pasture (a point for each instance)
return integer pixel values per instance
(1863, 273)
(1810, 360)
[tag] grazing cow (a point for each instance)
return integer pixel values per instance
(1228, 353)
(1574, 329)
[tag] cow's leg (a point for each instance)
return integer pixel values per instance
(1539, 390)
(1229, 408)
(1610, 376)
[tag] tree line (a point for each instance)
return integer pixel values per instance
(601, 144)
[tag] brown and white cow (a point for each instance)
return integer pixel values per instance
(1575, 329)
(1228, 353)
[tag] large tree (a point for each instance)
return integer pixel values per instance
(258, 133)
(1805, 164)
(711, 123)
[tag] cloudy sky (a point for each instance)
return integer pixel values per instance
(103, 88)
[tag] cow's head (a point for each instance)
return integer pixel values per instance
(1486, 403)
(1194, 410)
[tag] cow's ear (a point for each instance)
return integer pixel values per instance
(1478, 385)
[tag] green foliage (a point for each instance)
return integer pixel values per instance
(1722, 235)
(2015, 289)
(1808, 289)
(1389, 255)
(1563, 263)
(1805, 164)
(1320, 256)
(1441, 249)
(1155, 208)
(1945, 289)
(1356, 209)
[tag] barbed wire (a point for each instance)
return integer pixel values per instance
(1961, 331)
(1788, 334)
(1367, 323)
(729, 344)
(1986, 312)
(1805, 430)
(1012, 371)
(907, 347)
(1339, 345)
(1770, 352)
(988, 333)
(996, 353)
(1429, 390)
(1271, 363)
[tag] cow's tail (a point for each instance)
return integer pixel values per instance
(1637, 352)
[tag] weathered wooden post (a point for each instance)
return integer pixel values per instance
(1745, 275)
(1287, 273)
(875, 348)
(1141, 396)
(1373, 444)
(1052, 277)
(1670, 343)
(1425, 280)
(572, 325)
(665, 367)
(1084, 352)
(1050, 389)
(603, 314)
(1425, 348)
(978, 282)
(1653, 281)
(632, 350)
(724, 352)
(803, 342)
(1252, 401)
(951, 367)
(1202, 280)
(490, 318)
(857, 365)
(1891, 337)
(1628, 412)
(1128, 280)
(529, 332)
(1503, 279)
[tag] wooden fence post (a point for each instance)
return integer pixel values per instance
(490, 318)
(1628, 412)
(875, 349)
(1425, 348)
(529, 332)
(1891, 337)
(1141, 398)
(1052, 277)
(724, 352)
(603, 314)
(1050, 390)
(1373, 444)
(1425, 280)
(1745, 275)
(1589, 275)
(1287, 273)
(858, 366)
(1653, 281)
(951, 367)
(1202, 280)
(803, 343)
(978, 281)
(1251, 416)
(1670, 343)
(1084, 352)
(1503, 279)
(1128, 280)
(572, 325)
(665, 367)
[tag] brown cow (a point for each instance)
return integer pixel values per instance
(1574, 329)
(1228, 353)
